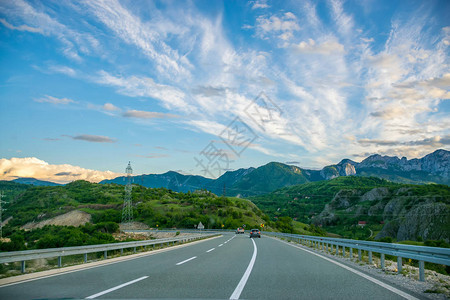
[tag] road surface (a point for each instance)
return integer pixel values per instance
(228, 267)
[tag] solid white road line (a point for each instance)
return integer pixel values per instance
(237, 292)
(376, 281)
(184, 261)
(220, 245)
(210, 250)
(116, 288)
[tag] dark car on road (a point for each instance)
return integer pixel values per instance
(255, 233)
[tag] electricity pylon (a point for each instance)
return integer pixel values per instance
(127, 211)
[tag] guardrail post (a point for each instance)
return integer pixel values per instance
(343, 251)
(59, 261)
(351, 253)
(121, 251)
(337, 250)
(370, 257)
(382, 261)
(359, 255)
(421, 270)
(134, 249)
(23, 266)
(105, 254)
(85, 258)
(399, 264)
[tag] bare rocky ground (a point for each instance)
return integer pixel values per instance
(436, 285)
(72, 218)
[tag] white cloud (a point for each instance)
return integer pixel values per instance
(325, 48)
(139, 86)
(33, 167)
(367, 40)
(282, 26)
(110, 107)
(139, 114)
(147, 37)
(260, 4)
(74, 43)
(54, 100)
(408, 79)
(63, 70)
(275, 23)
(344, 21)
(21, 27)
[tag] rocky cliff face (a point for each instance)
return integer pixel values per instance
(437, 163)
(406, 213)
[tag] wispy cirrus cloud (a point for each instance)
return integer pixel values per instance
(147, 37)
(407, 82)
(140, 86)
(54, 100)
(74, 43)
(62, 70)
(139, 114)
(20, 27)
(342, 84)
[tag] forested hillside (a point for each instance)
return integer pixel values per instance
(399, 211)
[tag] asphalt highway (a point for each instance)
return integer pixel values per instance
(228, 267)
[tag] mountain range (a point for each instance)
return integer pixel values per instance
(34, 181)
(432, 168)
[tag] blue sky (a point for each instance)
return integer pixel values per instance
(202, 87)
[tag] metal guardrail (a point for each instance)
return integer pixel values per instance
(421, 253)
(181, 230)
(23, 256)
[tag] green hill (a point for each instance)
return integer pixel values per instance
(270, 177)
(399, 211)
(152, 206)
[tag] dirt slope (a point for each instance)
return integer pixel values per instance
(72, 218)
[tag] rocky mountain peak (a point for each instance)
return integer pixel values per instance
(437, 162)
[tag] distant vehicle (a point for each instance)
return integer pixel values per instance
(240, 230)
(255, 233)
